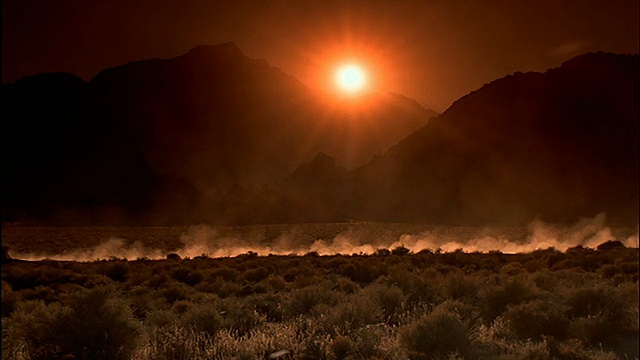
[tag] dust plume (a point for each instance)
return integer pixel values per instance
(357, 238)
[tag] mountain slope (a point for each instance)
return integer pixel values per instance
(560, 144)
(218, 118)
(167, 139)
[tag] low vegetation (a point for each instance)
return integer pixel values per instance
(578, 304)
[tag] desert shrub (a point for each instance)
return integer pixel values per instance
(118, 271)
(418, 288)
(303, 281)
(377, 342)
(597, 301)
(181, 307)
(593, 330)
(268, 305)
(315, 347)
(400, 250)
(275, 283)
(383, 252)
(353, 312)
(240, 317)
(176, 292)
(100, 326)
(32, 331)
(175, 343)
(9, 299)
(576, 350)
(565, 265)
(346, 285)
(95, 324)
(599, 314)
(174, 257)
(537, 318)
(301, 301)
(290, 275)
(535, 265)
(225, 289)
(225, 273)
(525, 350)
(342, 347)
(365, 273)
(513, 268)
(142, 301)
(553, 257)
(187, 276)
(390, 299)
(609, 271)
(437, 334)
(158, 318)
(255, 275)
(577, 277)
(629, 267)
(194, 278)
(158, 280)
(20, 278)
(495, 299)
(457, 285)
(467, 313)
(203, 318)
(44, 293)
(545, 280)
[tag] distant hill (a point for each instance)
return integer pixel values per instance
(212, 136)
(559, 145)
(165, 141)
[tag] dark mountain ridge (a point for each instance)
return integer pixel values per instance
(214, 136)
(560, 145)
(168, 140)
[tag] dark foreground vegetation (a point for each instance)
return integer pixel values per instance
(580, 304)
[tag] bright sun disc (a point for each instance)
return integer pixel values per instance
(351, 78)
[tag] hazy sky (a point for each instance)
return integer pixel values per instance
(434, 51)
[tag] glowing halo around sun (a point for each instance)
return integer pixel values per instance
(351, 79)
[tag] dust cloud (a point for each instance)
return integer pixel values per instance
(359, 238)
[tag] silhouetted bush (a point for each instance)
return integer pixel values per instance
(9, 299)
(593, 330)
(538, 318)
(400, 250)
(243, 308)
(495, 299)
(240, 317)
(203, 318)
(342, 347)
(255, 275)
(437, 334)
(301, 301)
(460, 286)
(610, 271)
(95, 324)
(353, 312)
(176, 343)
(118, 271)
(390, 299)
(175, 292)
(225, 273)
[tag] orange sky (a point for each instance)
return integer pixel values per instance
(434, 51)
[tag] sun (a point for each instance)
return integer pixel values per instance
(351, 78)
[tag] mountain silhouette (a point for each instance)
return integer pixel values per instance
(557, 145)
(177, 140)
